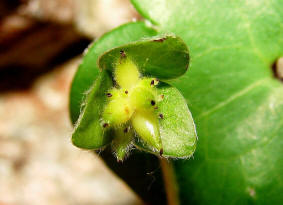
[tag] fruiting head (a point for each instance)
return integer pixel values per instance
(133, 101)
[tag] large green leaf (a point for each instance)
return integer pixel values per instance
(164, 57)
(231, 92)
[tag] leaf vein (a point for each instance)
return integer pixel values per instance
(232, 98)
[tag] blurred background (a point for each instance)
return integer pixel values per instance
(41, 43)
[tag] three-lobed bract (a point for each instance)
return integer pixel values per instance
(128, 106)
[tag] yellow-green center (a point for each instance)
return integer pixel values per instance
(133, 102)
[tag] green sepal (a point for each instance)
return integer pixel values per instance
(88, 69)
(122, 142)
(164, 57)
(176, 125)
(90, 132)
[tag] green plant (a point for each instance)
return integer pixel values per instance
(125, 110)
(231, 91)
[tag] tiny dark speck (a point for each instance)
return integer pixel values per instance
(126, 92)
(152, 102)
(123, 54)
(105, 125)
(161, 152)
(126, 130)
(159, 40)
(161, 116)
(109, 95)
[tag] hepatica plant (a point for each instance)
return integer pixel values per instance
(131, 104)
(232, 90)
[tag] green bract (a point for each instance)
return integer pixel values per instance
(128, 106)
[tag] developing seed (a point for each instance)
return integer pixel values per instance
(109, 95)
(152, 102)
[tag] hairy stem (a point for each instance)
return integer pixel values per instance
(169, 182)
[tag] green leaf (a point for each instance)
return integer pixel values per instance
(234, 98)
(89, 131)
(88, 70)
(176, 125)
(164, 56)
